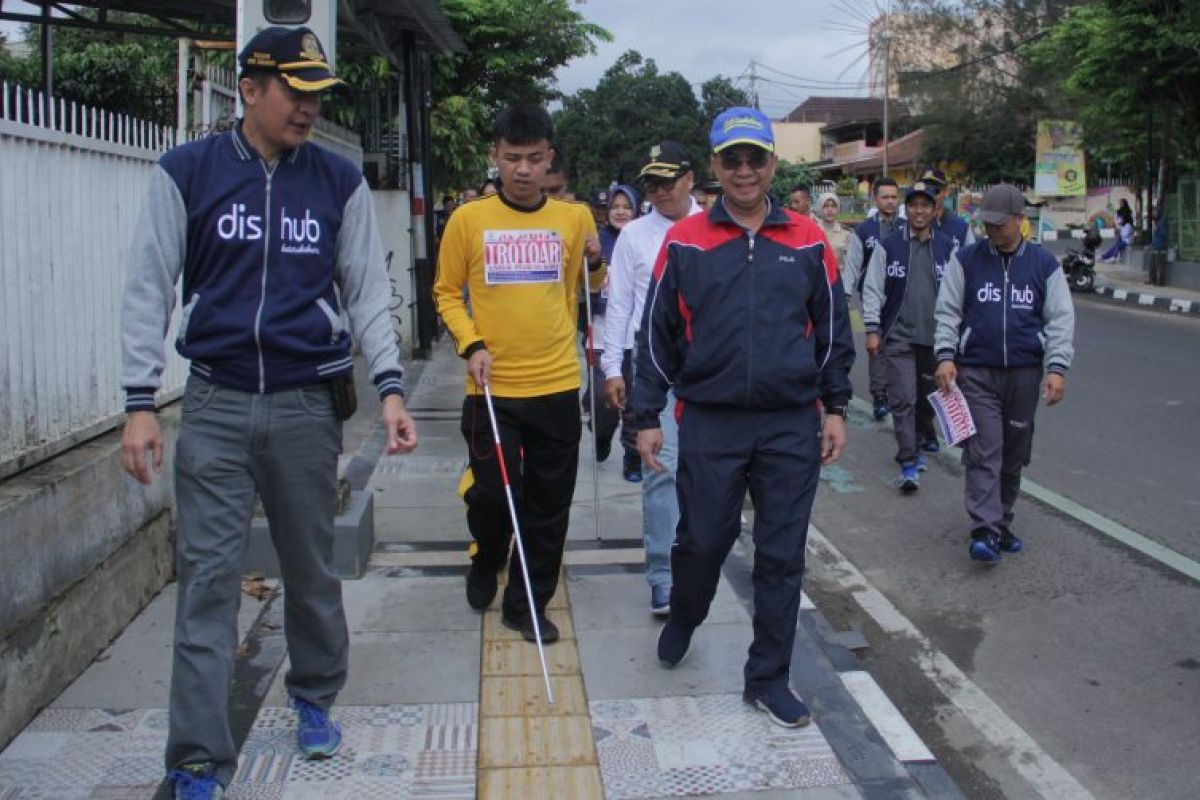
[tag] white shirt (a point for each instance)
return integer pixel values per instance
(628, 279)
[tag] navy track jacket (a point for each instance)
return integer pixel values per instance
(748, 321)
(274, 261)
(890, 279)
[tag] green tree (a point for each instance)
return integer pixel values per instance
(788, 175)
(122, 72)
(607, 131)
(513, 48)
(1132, 63)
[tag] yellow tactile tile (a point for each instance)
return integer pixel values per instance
(525, 696)
(541, 783)
(494, 630)
(536, 742)
(521, 658)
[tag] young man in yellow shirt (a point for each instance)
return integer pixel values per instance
(519, 256)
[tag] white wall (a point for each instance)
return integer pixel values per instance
(393, 212)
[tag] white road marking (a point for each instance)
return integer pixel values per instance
(904, 742)
(1007, 738)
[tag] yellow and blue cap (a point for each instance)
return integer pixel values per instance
(741, 125)
(295, 53)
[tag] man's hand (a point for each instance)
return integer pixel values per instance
(401, 430)
(1054, 388)
(649, 444)
(142, 433)
(591, 247)
(479, 367)
(873, 343)
(614, 392)
(945, 376)
(833, 439)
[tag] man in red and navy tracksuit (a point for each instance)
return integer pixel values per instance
(745, 318)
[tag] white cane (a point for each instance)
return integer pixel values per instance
(591, 357)
(512, 512)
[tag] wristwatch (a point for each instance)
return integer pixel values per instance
(837, 411)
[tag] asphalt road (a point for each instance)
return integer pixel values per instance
(1086, 646)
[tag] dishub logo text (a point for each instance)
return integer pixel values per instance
(297, 234)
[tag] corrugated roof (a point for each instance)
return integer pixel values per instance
(835, 110)
(901, 152)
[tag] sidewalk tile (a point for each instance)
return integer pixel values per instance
(525, 695)
(535, 742)
(509, 658)
(560, 783)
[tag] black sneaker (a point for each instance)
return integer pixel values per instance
(603, 448)
(674, 642)
(481, 585)
(525, 626)
(1010, 542)
(780, 704)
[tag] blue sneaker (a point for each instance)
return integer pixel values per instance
(674, 642)
(909, 480)
(780, 704)
(1010, 542)
(632, 474)
(922, 463)
(882, 409)
(985, 548)
(195, 782)
(317, 735)
(660, 600)
(931, 445)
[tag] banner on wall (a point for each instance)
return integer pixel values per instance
(1060, 169)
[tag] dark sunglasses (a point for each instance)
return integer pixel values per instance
(652, 185)
(756, 158)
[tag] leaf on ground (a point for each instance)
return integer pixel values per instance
(256, 586)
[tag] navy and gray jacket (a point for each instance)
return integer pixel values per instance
(998, 310)
(274, 259)
(955, 227)
(747, 321)
(886, 282)
(867, 234)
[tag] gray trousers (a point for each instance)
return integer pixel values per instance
(877, 375)
(1003, 402)
(910, 369)
(232, 445)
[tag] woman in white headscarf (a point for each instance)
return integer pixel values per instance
(837, 233)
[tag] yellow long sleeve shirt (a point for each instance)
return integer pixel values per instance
(521, 270)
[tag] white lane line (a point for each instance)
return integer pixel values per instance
(906, 745)
(1097, 522)
(1007, 738)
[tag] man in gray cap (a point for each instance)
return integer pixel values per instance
(1004, 319)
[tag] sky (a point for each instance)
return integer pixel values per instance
(703, 38)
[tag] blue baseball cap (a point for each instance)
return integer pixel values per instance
(741, 125)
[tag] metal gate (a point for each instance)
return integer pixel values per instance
(1184, 208)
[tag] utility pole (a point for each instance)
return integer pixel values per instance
(754, 82)
(887, 88)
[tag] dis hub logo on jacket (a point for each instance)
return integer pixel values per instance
(297, 234)
(1021, 297)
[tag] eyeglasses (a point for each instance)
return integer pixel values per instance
(653, 185)
(756, 159)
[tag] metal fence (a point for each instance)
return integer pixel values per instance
(1184, 213)
(71, 185)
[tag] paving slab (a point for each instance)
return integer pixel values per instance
(376, 604)
(622, 601)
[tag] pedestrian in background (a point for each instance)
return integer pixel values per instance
(944, 220)
(800, 200)
(837, 233)
(1005, 327)
(621, 208)
(666, 177)
(521, 254)
(899, 295)
(867, 236)
(276, 242)
(746, 319)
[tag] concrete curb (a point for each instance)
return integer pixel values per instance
(1141, 298)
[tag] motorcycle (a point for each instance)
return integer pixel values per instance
(1080, 265)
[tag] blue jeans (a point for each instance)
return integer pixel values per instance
(660, 504)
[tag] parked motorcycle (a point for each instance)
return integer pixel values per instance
(1080, 265)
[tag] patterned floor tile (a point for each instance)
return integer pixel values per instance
(85, 754)
(388, 752)
(687, 746)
